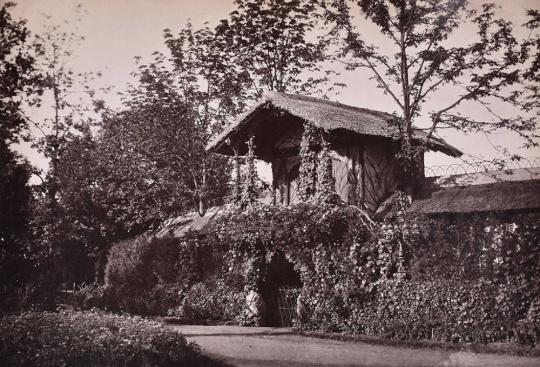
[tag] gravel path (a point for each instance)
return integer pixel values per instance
(238, 346)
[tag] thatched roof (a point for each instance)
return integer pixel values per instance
(180, 226)
(493, 197)
(325, 115)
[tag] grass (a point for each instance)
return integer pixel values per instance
(494, 348)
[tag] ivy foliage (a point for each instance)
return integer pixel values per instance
(336, 253)
(308, 163)
(472, 279)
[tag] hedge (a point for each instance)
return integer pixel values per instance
(474, 278)
(149, 276)
(443, 310)
(90, 339)
(212, 300)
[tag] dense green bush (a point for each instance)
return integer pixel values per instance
(212, 300)
(90, 339)
(147, 276)
(445, 310)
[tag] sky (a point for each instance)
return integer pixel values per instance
(116, 31)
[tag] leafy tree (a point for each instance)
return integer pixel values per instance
(491, 68)
(17, 80)
(195, 77)
(261, 46)
(272, 46)
(17, 75)
(67, 94)
(67, 102)
(151, 161)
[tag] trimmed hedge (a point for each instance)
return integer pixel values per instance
(210, 300)
(90, 339)
(444, 310)
(148, 276)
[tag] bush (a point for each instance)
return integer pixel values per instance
(147, 276)
(90, 339)
(528, 329)
(450, 311)
(89, 296)
(211, 300)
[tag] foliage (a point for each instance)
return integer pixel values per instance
(498, 247)
(144, 164)
(18, 81)
(493, 66)
(211, 299)
(528, 329)
(326, 243)
(17, 74)
(444, 310)
(89, 339)
(470, 279)
(87, 297)
(197, 88)
(325, 180)
(59, 113)
(307, 181)
(270, 46)
(67, 99)
(150, 276)
(14, 217)
(249, 190)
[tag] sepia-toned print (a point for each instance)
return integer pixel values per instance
(269, 183)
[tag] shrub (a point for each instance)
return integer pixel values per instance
(89, 296)
(528, 329)
(147, 276)
(457, 311)
(90, 339)
(211, 300)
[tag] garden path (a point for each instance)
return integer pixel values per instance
(269, 347)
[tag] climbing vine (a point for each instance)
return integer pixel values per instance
(249, 190)
(307, 184)
(326, 182)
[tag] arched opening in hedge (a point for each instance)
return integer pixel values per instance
(280, 276)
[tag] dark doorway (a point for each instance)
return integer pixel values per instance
(280, 275)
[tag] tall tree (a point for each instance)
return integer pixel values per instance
(196, 77)
(17, 74)
(67, 102)
(273, 46)
(18, 80)
(67, 98)
(489, 69)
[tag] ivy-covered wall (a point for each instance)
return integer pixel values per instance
(472, 278)
(468, 279)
